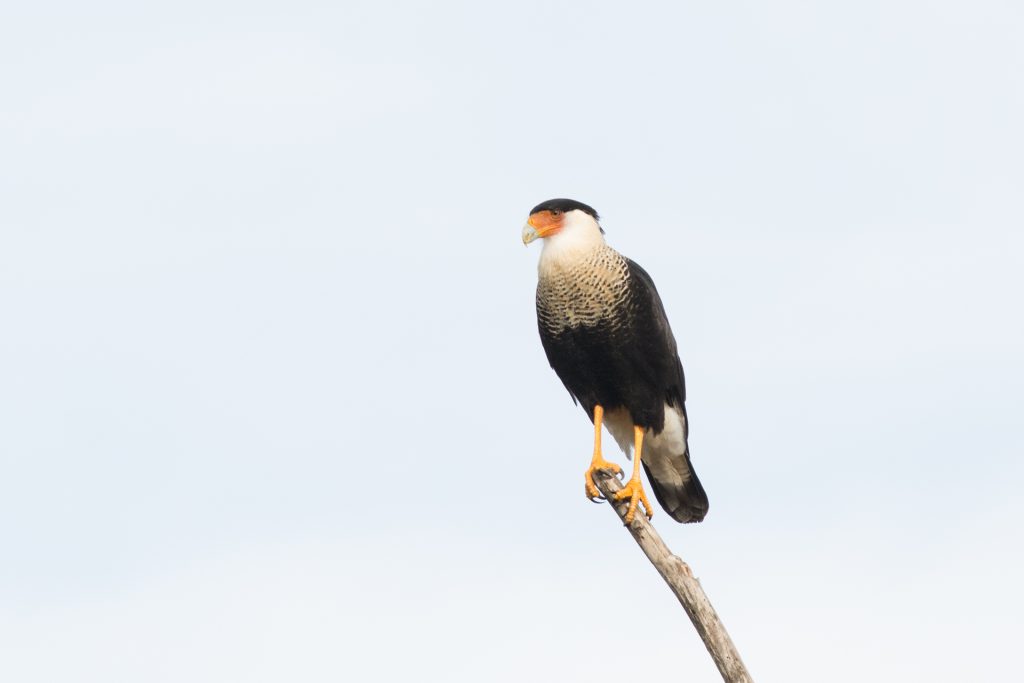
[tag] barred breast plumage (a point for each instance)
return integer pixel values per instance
(593, 290)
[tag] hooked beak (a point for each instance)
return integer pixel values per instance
(542, 224)
(529, 233)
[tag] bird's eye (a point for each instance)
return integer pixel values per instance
(556, 212)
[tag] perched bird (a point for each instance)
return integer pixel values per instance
(606, 335)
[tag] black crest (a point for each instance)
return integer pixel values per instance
(564, 205)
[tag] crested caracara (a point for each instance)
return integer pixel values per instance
(606, 335)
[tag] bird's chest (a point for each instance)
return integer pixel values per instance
(589, 294)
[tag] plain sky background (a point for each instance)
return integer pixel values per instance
(272, 402)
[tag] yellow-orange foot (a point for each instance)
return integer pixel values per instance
(598, 463)
(634, 491)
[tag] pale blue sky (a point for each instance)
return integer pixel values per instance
(272, 402)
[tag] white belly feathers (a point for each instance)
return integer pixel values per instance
(664, 453)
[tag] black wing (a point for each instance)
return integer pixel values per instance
(662, 354)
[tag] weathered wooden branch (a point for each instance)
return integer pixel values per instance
(682, 582)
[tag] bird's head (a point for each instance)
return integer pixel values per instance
(575, 220)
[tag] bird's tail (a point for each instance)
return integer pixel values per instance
(677, 488)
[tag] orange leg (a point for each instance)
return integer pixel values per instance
(598, 462)
(634, 489)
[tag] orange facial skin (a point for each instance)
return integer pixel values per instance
(546, 223)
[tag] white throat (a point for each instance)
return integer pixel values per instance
(579, 237)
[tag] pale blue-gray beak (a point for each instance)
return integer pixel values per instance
(529, 233)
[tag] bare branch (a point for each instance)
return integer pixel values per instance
(682, 582)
